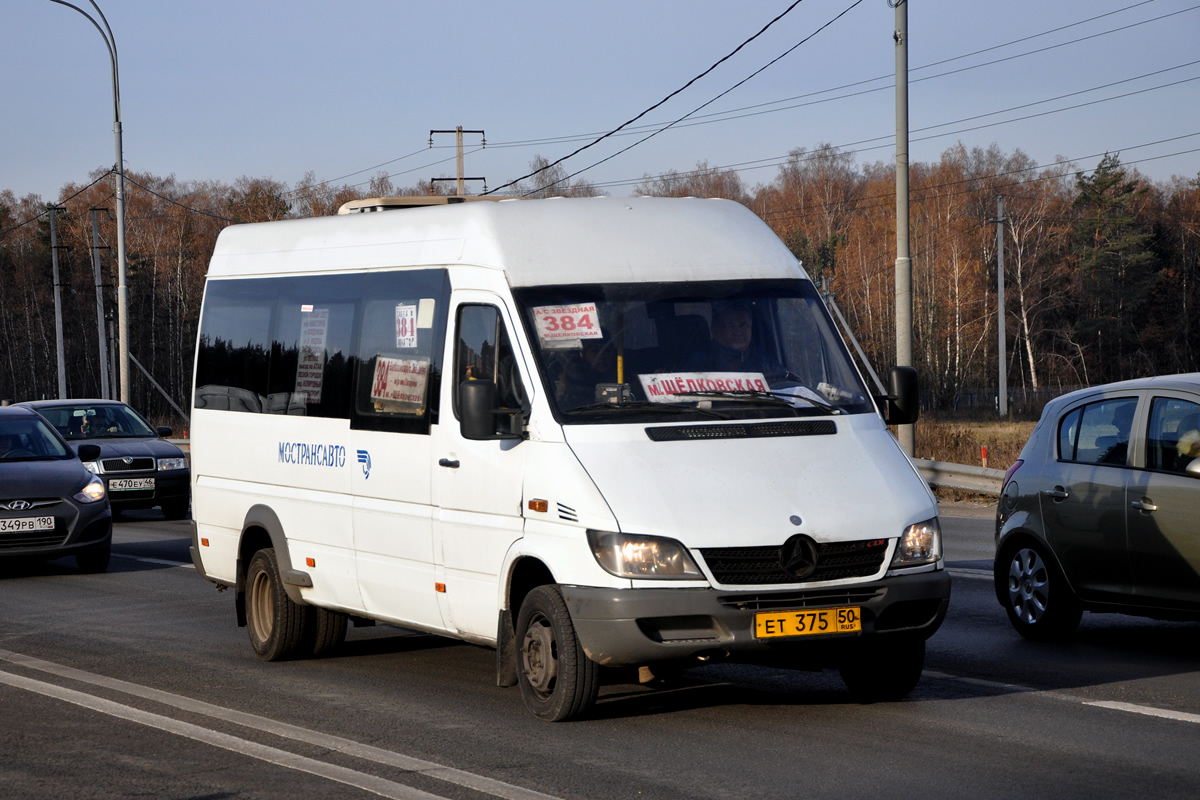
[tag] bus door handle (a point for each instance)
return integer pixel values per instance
(445, 462)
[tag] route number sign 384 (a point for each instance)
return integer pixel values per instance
(566, 325)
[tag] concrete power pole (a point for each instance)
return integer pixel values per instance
(105, 392)
(904, 356)
(58, 319)
(1003, 350)
(461, 189)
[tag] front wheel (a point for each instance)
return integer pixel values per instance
(175, 509)
(94, 559)
(275, 624)
(885, 670)
(1039, 603)
(558, 681)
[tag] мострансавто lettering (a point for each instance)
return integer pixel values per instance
(314, 455)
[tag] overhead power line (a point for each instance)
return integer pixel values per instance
(735, 113)
(718, 97)
(625, 124)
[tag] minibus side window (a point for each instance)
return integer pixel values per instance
(311, 352)
(484, 352)
(400, 343)
(234, 350)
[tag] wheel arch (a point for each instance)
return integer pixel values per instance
(1010, 542)
(261, 528)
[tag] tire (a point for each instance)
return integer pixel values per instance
(558, 682)
(327, 631)
(885, 670)
(1040, 604)
(175, 509)
(276, 625)
(95, 559)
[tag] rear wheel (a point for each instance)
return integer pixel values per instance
(328, 631)
(94, 560)
(1039, 602)
(558, 681)
(885, 669)
(275, 623)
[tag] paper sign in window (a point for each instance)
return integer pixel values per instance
(406, 326)
(565, 326)
(398, 384)
(665, 387)
(310, 367)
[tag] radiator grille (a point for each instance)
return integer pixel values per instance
(118, 465)
(740, 566)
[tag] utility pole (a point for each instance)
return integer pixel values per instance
(100, 333)
(1003, 350)
(458, 132)
(58, 320)
(110, 42)
(904, 357)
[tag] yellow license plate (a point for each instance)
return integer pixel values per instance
(810, 622)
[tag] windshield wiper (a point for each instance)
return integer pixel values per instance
(776, 398)
(646, 405)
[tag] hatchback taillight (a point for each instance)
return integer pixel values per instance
(1011, 471)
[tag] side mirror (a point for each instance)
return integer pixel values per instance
(476, 400)
(89, 452)
(1193, 468)
(165, 431)
(902, 405)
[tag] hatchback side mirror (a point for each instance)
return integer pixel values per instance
(165, 431)
(89, 452)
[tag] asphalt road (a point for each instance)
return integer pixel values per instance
(137, 683)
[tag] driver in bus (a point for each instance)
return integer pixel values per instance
(732, 348)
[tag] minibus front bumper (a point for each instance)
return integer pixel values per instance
(634, 627)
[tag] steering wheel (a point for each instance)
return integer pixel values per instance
(20, 452)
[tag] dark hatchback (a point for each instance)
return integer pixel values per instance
(50, 505)
(140, 468)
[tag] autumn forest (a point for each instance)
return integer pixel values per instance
(1101, 266)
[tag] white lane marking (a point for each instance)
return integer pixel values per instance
(156, 561)
(969, 572)
(1149, 711)
(282, 729)
(359, 780)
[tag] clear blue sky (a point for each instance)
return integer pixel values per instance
(217, 89)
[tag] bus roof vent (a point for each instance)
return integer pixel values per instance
(414, 201)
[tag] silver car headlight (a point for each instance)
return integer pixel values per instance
(92, 467)
(633, 556)
(92, 493)
(172, 463)
(919, 544)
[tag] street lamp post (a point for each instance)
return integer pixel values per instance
(119, 187)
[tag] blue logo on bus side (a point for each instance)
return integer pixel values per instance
(364, 458)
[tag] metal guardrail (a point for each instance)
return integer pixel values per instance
(983, 480)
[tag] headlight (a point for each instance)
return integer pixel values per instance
(630, 556)
(92, 467)
(919, 544)
(92, 493)
(172, 463)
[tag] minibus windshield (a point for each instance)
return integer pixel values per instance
(697, 350)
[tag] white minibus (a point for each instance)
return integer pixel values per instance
(612, 438)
